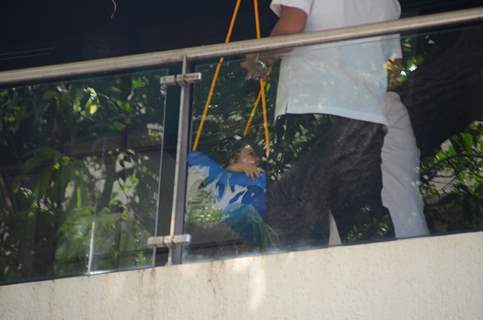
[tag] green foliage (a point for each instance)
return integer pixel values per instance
(80, 161)
(452, 182)
(201, 210)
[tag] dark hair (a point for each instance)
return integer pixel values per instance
(238, 145)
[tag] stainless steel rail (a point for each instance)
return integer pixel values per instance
(158, 59)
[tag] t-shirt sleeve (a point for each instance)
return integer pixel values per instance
(202, 160)
(305, 5)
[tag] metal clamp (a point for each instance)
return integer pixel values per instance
(169, 241)
(180, 79)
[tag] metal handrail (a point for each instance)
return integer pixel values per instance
(157, 59)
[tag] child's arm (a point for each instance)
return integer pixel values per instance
(202, 160)
(251, 170)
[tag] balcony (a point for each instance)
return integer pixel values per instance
(107, 166)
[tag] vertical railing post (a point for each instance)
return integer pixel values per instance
(176, 239)
(179, 195)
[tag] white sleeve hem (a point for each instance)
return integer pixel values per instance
(392, 46)
(304, 5)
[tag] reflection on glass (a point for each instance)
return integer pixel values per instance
(80, 164)
(413, 170)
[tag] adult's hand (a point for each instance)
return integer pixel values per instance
(291, 21)
(258, 67)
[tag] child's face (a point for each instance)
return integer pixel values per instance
(247, 156)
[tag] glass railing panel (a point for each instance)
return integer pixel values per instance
(206, 215)
(441, 87)
(369, 140)
(80, 182)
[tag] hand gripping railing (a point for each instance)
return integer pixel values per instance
(155, 59)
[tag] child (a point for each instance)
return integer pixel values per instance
(238, 190)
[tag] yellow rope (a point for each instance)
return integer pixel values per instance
(232, 21)
(262, 86)
(258, 35)
(252, 114)
(265, 118)
(257, 19)
(215, 78)
(261, 94)
(257, 101)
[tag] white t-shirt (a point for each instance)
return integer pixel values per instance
(346, 78)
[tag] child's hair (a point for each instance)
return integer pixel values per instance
(238, 145)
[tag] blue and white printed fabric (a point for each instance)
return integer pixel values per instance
(229, 189)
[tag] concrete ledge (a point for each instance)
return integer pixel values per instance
(427, 278)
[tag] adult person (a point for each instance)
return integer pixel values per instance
(400, 174)
(443, 96)
(341, 171)
(400, 171)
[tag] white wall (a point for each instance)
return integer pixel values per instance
(431, 278)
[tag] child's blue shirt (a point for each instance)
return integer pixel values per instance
(240, 189)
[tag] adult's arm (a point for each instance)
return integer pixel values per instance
(292, 20)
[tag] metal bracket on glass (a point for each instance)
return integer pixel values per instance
(169, 241)
(180, 79)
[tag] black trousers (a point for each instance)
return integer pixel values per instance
(340, 173)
